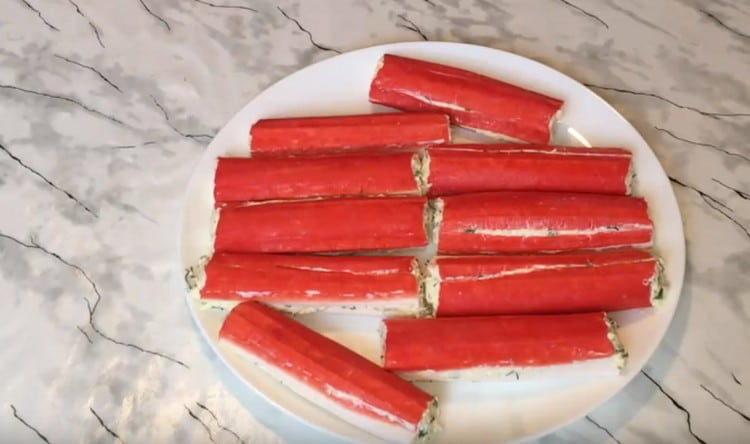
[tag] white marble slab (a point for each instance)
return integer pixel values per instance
(105, 107)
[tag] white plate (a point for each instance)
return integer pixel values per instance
(470, 412)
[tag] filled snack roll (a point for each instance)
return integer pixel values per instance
(471, 168)
(502, 347)
(329, 375)
(366, 285)
(240, 179)
(303, 136)
(575, 282)
(329, 225)
(516, 222)
(480, 103)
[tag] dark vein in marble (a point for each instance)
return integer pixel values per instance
(637, 18)
(586, 13)
(713, 115)
(64, 99)
(33, 244)
(737, 381)
(174, 128)
(676, 404)
(703, 144)
(85, 334)
(213, 5)
(309, 35)
(740, 193)
(92, 69)
(205, 427)
(161, 19)
(430, 2)
(128, 147)
(514, 373)
(411, 26)
(91, 24)
(724, 25)
(101, 422)
(712, 201)
(47, 181)
(23, 421)
(744, 416)
(603, 429)
(39, 14)
(226, 429)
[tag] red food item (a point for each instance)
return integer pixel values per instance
(472, 168)
(495, 341)
(472, 100)
(340, 380)
(298, 283)
(245, 179)
(510, 221)
(370, 132)
(322, 226)
(581, 281)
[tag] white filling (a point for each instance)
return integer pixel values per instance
(621, 356)
(381, 272)
(434, 219)
(656, 283)
(548, 232)
(535, 268)
(408, 306)
(601, 367)
(327, 401)
(420, 166)
(427, 100)
(553, 152)
(430, 289)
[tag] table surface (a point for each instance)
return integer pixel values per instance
(105, 107)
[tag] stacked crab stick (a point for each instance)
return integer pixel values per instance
(498, 347)
(514, 222)
(575, 282)
(455, 169)
(472, 100)
(372, 132)
(382, 285)
(330, 375)
(322, 225)
(245, 179)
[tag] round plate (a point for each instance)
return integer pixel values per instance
(473, 412)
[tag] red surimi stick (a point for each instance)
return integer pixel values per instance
(381, 285)
(502, 347)
(329, 375)
(455, 169)
(318, 135)
(580, 281)
(509, 221)
(322, 226)
(245, 179)
(472, 100)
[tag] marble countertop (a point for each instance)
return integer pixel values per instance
(106, 106)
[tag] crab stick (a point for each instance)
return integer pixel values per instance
(510, 221)
(575, 282)
(322, 225)
(474, 101)
(329, 374)
(380, 285)
(455, 169)
(317, 135)
(502, 347)
(246, 179)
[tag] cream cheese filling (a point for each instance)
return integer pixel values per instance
(548, 232)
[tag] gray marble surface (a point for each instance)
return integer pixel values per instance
(106, 106)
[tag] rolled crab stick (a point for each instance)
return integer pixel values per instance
(379, 285)
(455, 169)
(370, 132)
(472, 100)
(327, 225)
(502, 347)
(250, 179)
(512, 222)
(329, 375)
(575, 282)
